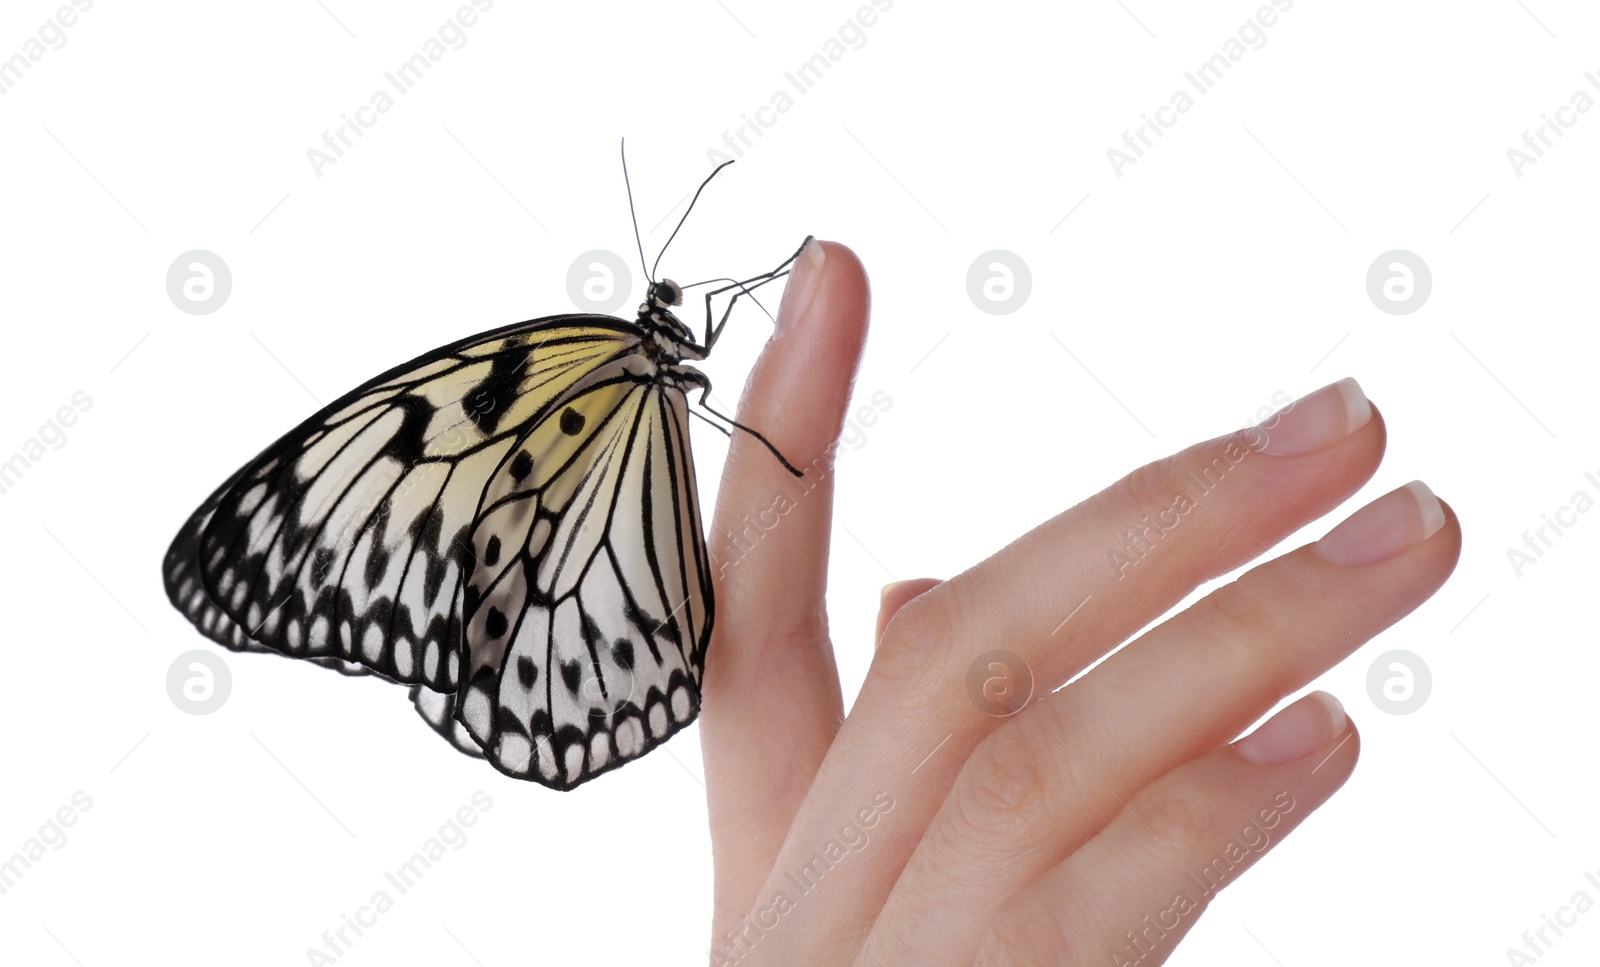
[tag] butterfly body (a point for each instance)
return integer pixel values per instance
(509, 524)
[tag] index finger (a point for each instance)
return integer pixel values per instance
(771, 692)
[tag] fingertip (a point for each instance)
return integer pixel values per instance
(798, 389)
(885, 595)
(1335, 708)
(822, 321)
(827, 285)
(801, 289)
(896, 595)
(1312, 724)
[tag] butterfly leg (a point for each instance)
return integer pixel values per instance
(745, 288)
(694, 377)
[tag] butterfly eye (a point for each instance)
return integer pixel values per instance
(670, 293)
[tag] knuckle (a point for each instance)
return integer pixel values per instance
(1004, 945)
(774, 639)
(1007, 790)
(1028, 932)
(1148, 490)
(1177, 821)
(803, 631)
(1139, 512)
(1232, 621)
(896, 929)
(917, 634)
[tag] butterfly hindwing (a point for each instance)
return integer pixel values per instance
(438, 710)
(588, 609)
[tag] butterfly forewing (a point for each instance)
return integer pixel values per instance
(344, 539)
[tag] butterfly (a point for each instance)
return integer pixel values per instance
(508, 524)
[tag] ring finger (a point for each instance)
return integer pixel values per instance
(1133, 891)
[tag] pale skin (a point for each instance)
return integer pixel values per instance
(1070, 829)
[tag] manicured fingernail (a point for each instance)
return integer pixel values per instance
(802, 287)
(1398, 520)
(1297, 731)
(1318, 420)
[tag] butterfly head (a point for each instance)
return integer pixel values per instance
(656, 310)
(664, 294)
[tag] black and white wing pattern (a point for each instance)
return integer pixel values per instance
(508, 523)
(589, 605)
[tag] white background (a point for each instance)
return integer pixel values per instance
(1225, 266)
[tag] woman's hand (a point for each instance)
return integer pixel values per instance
(966, 811)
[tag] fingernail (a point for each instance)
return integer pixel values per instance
(801, 289)
(1315, 421)
(883, 595)
(1297, 731)
(1398, 520)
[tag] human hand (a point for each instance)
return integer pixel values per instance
(940, 824)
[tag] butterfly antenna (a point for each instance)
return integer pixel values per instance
(631, 213)
(686, 212)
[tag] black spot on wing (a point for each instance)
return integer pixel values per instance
(491, 399)
(321, 566)
(506, 720)
(410, 441)
(401, 624)
(591, 633)
(425, 529)
(377, 564)
(433, 579)
(646, 626)
(572, 422)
